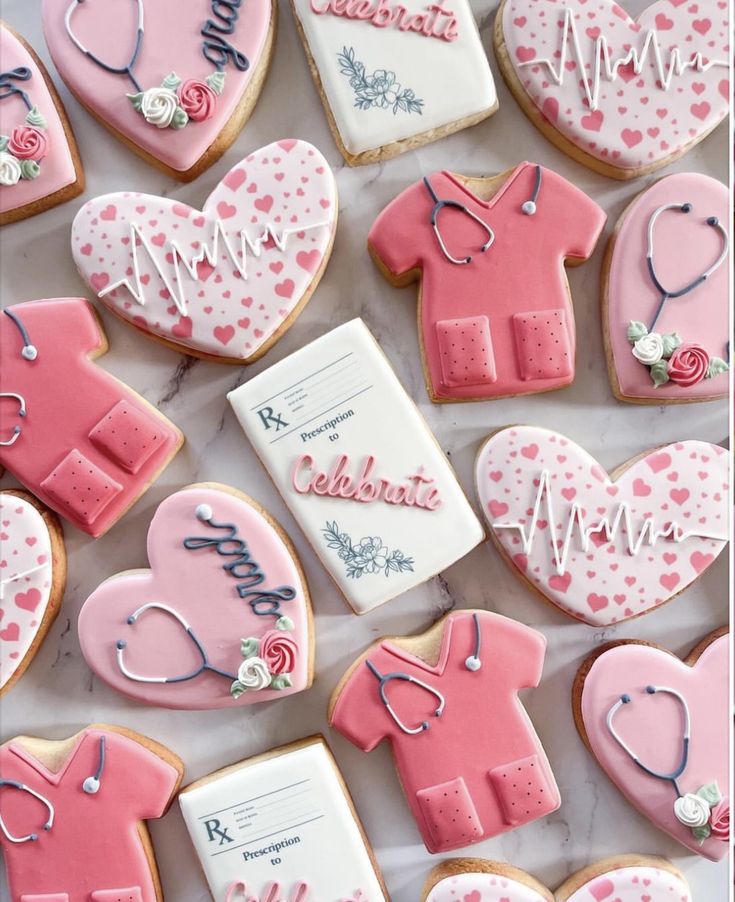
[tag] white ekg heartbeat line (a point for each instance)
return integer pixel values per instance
(210, 254)
(604, 65)
(5, 581)
(648, 534)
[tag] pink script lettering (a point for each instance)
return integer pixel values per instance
(433, 22)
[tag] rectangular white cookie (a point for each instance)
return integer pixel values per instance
(373, 108)
(284, 818)
(339, 396)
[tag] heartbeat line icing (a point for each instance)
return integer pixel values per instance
(604, 66)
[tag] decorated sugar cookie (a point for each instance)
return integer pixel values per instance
(603, 547)
(659, 727)
(624, 878)
(281, 827)
(87, 461)
(358, 466)
(466, 240)
(63, 801)
(226, 282)
(175, 84)
(222, 618)
(32, 578)
(665, 293)
(382, 70)
(39, 160)
(469, 760)
(623, 96)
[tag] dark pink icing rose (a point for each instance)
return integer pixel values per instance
(28, 143)
(719, 820)
(197, 99)
(688, 365)
(279, 651)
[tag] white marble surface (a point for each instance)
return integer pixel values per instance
(58, 694)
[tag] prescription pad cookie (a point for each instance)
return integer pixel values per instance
(39, 160)
(603, 547)
(659, 727)
(469, 760)
(665, 293)
(226, 282)
(357, 465)
(393, 76)
(281, 826)
(32, 579)
(221, 620)
(174, 82)
(466, 240)
(74, 812)
(87, 461)
(623, 96)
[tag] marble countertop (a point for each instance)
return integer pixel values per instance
(58, 694)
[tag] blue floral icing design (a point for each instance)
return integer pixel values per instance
(380, 89)
(368, 556)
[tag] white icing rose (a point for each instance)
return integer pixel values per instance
(691, 810)
(649, 349)
(158, 106)
(10, 170)
(254, 674)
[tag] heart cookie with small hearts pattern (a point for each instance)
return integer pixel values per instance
(603, 548)
(622, 95)
(225, 282)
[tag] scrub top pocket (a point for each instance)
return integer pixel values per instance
(450, 815)
(129, 894)
(523, 790)
(466, 351)
(542, 344)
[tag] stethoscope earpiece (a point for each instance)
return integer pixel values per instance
(91, 785)
(473, 663)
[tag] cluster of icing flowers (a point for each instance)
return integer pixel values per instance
(379, 89)
(23, 149)
(366, 556)
(669, 360)
(176, 103)
(706, 813)
(268, 661)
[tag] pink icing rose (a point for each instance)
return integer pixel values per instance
(688, 365)
(719, 820)
(197, 100)
(27, 143)
(279, 651)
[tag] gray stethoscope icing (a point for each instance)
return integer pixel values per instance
(115, 70)
(528, 208)
(472, 663)
(667, 294)
(91, 786)
(28, 352)
(186, 626)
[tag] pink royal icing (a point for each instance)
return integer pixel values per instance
(652, 725)
(471, 887)
(675, 498)
(574, 60)
(219, 604)
(476, 343)
(221, 282)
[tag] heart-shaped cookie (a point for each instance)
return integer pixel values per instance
(659, 728)
(603, 548)
(175, 84)
(625, 878)
(623, 96)
(222, 618)
(39, 161)
(32, 577)
(676, 352)
(224, 283)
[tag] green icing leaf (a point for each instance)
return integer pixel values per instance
(716, 366)
(636, 330)
(671, 343)
(180, 118)
(284, 623)
(136, 100)
(710, 793)
(29, 170)
(249, 647)
(36, 118)
(237, 689)
(702, 833)
(3, 142)
(216, 81)
(660, 373)
(282, 681)
(171, 81)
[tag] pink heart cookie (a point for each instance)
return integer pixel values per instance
(32, 577)
(623, 96)
(40, 165)
(689, 240)
(603, 548)
(636, 700)
(224, 283)
(222, 618)
(192, 79)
